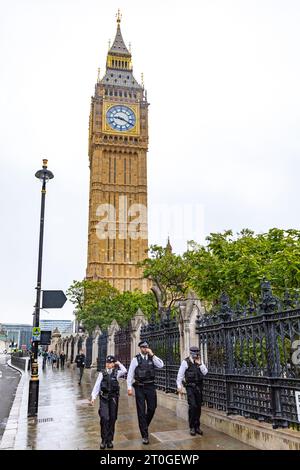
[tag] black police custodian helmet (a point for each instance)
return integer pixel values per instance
(143, 344)
(110, 359)
(194, 350)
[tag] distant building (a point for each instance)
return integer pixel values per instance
(64, 326)
(18, 334)
(4, 344)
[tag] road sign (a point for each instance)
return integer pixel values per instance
(53, 299)
(36, 333)
(45, 338)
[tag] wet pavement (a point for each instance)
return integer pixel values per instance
(66, 421)
(9, 379)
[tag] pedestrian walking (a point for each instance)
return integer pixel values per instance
(54, 359)
(49, 357)
(191, 374)
(108, 389)
(80, 361)
(45, 355)
(141, 376)
(62, 359)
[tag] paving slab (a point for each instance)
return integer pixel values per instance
(66, 420)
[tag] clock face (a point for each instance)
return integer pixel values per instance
(120, 118)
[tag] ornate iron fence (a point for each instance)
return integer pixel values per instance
(89, 351)
(122, 340)
(252, 359)
(164, 339)
(102, 350)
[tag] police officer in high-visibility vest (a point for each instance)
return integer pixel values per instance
(108, 389)
(141, 376)
(191, 373)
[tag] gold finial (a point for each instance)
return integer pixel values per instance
(119, 16)
(142, 79)
(98, 77)
(129, 46)
(109, 44)
(45, 163)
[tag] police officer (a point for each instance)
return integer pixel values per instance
(108, 389)
(191, 373)
(141, 376)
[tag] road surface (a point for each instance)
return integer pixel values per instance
(9, 379)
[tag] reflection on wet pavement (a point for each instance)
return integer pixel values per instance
(67, 421)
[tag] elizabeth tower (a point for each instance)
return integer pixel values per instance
(118, 144)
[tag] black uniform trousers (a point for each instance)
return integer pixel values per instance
(194, 398)
(108, 413)
(80, 373)
(145, 395)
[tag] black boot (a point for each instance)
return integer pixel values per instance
(192, 432)
(199, 431)
(110, 445)
(102, 445)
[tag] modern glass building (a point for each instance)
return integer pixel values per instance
(18, 334)
(64, 326)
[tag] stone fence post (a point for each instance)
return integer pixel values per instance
(55, 337)
(111, 330)
(137, 322)
(96, 335)
(189, 310)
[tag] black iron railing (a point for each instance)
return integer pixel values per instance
(251, 354)
(164, 339)
(122, 340)
(89, 351)
(102, 350)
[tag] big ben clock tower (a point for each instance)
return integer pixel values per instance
(118, 144)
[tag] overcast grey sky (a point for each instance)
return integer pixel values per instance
(223, 84)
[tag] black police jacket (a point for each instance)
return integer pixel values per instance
(145, 371)
(109, 383)
(80, 360)
(193, 374)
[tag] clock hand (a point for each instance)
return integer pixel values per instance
(122, 119)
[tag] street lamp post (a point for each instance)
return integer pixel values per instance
(44, 175)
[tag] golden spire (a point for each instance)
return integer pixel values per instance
(142, 79)
(109, 44)
(129, 47)
(98, 77)
(119, 16)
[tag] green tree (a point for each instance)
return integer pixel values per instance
(237, 264)
(169, 272)
(87, 292)
(121, 307)
(97, 303)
